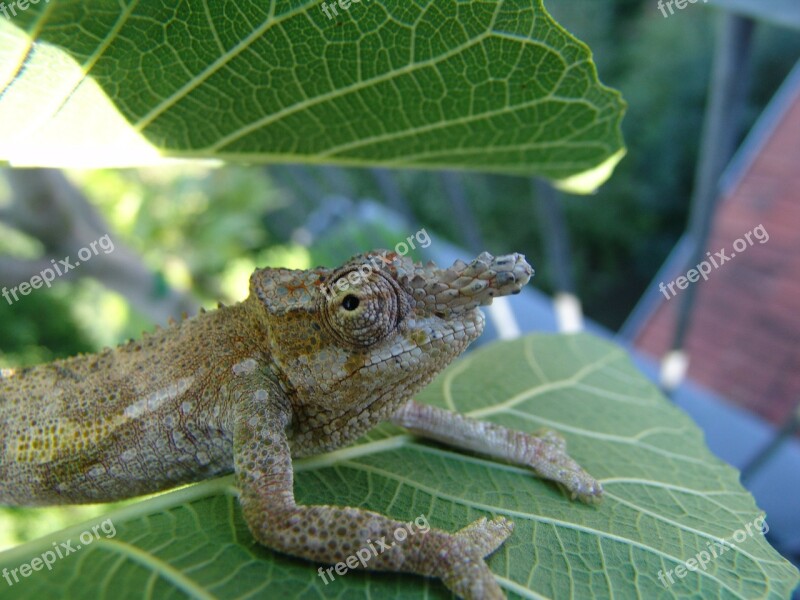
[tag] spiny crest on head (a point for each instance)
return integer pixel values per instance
(282, 290)
(376, 259)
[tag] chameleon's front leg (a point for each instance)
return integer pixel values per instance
(545, 453)
(330, 534)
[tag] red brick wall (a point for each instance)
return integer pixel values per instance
(744, 339)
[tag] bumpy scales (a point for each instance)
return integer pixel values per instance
(308, 363)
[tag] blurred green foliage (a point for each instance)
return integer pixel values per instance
(30, 339)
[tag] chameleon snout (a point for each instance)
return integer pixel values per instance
(465, 286)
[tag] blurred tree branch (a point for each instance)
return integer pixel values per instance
(48, 207)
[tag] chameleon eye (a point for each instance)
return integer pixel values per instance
(363, 314)
(350, 302)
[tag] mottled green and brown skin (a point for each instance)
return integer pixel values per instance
(308, 363)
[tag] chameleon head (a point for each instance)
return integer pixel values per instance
(377, 329)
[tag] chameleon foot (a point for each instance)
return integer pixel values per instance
(546, 453)
(460, 561)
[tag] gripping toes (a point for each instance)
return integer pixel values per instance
(547, 456)
(462, 567)
(487, 536)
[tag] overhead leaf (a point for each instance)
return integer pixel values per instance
(668, 500)
(469, 84)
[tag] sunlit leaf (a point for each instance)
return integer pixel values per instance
(479, 84)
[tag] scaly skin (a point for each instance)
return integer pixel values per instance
(308, 363)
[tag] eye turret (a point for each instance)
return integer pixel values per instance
(364, 312)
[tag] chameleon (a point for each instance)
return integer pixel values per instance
(307, 363)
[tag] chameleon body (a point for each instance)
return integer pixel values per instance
(307, 363)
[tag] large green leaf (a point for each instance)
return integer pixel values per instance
(667, 500)
(476, 84)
